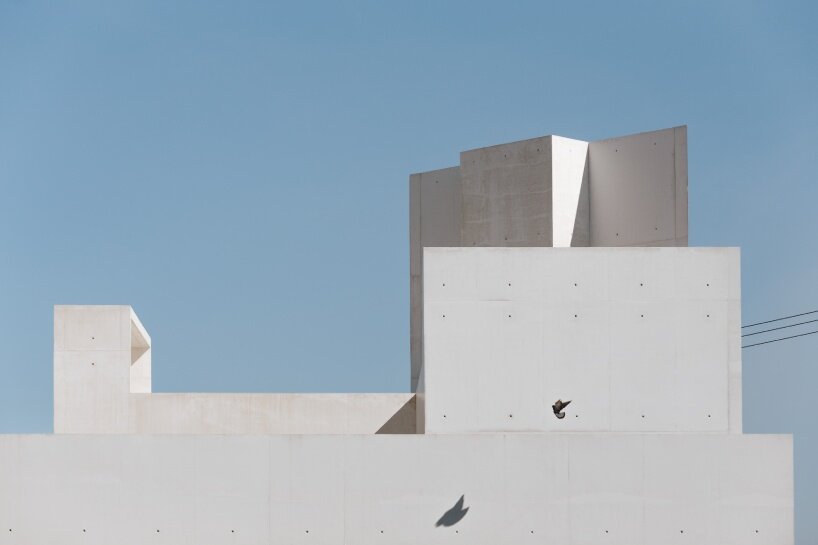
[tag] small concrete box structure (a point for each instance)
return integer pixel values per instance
(540, 270)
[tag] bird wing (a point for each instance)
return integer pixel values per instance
(566, 403)
(459, 505)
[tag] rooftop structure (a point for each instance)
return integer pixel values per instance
(542, 271)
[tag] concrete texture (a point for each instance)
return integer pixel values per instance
(582, 489)
(639, 189)
(102, 385)
(550, 191)
(644, 341)
(641, 339)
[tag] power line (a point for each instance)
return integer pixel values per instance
(779, 319)
(781, 339)
(777, 328)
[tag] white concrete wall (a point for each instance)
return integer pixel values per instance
(543, 488)
(102, 384)
(571, 204)
(638, 189)
(271, 414)
(550, 191)
(640, 339)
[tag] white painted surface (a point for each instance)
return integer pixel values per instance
(571, 204)
(640, 339)
(525, 488)
(638, 189)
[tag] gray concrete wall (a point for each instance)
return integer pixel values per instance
(639, 189)
(581, 489)
(507, 194)
(640, 339)
(435, 217)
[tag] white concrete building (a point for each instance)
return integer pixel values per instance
(508, 316)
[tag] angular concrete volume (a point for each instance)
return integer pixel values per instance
(550, 192)
(565, 389)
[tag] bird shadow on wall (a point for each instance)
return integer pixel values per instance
(453, 515)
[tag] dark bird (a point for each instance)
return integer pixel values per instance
(559, 406)
(453, 515)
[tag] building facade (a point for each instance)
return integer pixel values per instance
(543, 270)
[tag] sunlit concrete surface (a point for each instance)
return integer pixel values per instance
(543, 270)
(640, 339)
(550, 191)
(629, 489)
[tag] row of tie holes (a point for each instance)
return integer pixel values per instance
(575, 285)
(577, 316)
(307, 531)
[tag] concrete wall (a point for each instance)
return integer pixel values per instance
(639, 189)
(581, 489)
(102, 384)
(570, 188)
(640, 339)
(507, 194)
(550, 191)
(435, 210)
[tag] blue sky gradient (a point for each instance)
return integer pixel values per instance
(238, 172)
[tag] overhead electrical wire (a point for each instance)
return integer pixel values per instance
(781, 339)
(779, 319)
(777, 328)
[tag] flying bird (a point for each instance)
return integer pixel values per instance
(559, 406)
(453, 515)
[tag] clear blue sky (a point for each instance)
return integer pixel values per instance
(238, 172)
